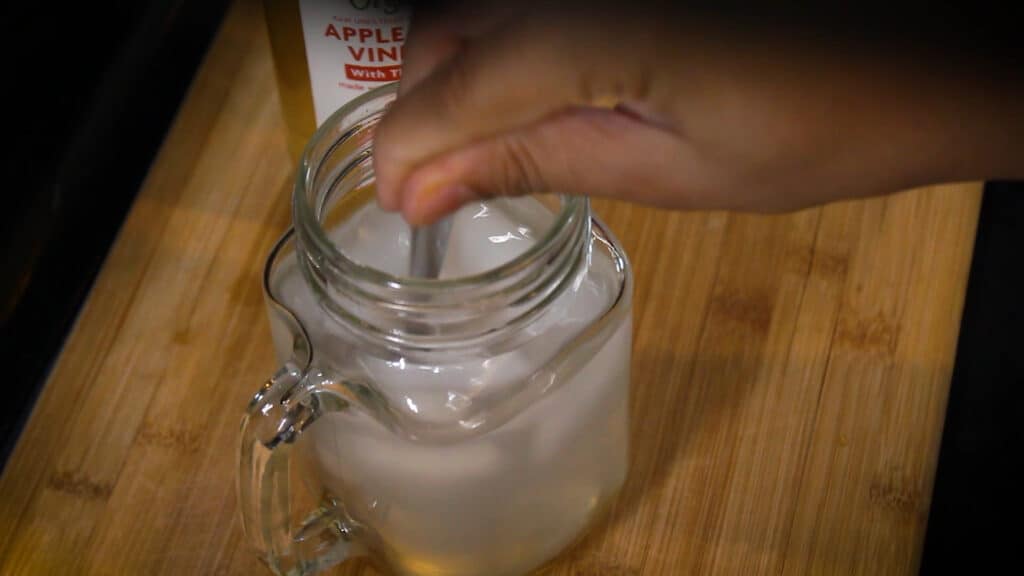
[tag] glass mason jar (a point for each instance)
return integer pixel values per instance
(474, 424)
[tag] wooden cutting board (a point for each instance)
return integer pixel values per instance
(790, 372)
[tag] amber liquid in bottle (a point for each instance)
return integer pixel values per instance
(284, 23)
(327, 52)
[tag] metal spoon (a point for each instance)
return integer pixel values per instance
(428, 247)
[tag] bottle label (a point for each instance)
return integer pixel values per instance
(351, 46)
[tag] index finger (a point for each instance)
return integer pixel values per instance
(437, 32)
(519, 73)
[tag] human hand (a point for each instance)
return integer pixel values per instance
(659, 106)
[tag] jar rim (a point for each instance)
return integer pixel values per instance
(311, 233)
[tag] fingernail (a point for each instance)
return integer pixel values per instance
(430, 203)
(382, 204)
(387, 202)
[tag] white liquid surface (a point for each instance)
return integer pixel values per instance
(494, 503)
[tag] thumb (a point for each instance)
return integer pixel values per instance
(583, 151)
(522, 72)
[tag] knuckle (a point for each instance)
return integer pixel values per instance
(457, 87)
(521, 171)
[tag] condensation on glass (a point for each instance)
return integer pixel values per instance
(473, 424)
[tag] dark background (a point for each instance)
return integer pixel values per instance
(90, 94)
(93, 89)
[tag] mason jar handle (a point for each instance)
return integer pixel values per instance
(278, 413)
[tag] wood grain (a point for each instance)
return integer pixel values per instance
(789, 381)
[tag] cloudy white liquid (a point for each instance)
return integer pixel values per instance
(495, 503)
